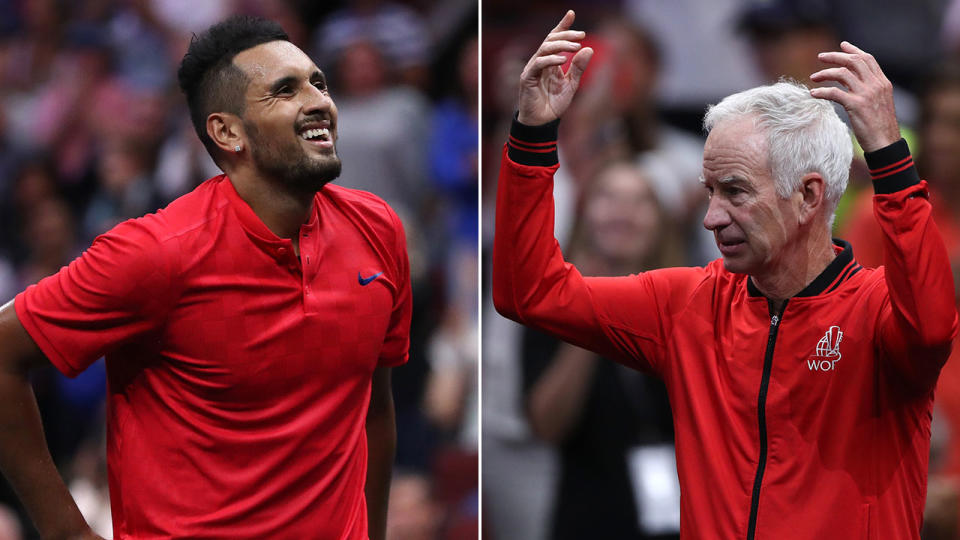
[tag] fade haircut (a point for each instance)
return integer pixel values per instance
(804, 135)
(208, 77)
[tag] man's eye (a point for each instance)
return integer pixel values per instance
(284, 90)
(320, 85)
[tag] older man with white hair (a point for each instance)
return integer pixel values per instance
(801, 383)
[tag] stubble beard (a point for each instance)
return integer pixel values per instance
(291, 166)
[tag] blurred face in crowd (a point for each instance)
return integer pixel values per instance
(941, 137)
(290, 119)
(622, 216)
(120, 163)
(793, 52)
(469, 69)
(362, 69)
(752, 225)
(412, 515)
(634, 71)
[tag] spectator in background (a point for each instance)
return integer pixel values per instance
(617, 118)
(937, 160)
(384, 132)
(414, 513)
(34, 181)
(61, 118)
(452, 393)
(48, 232)
(786, 36)
(395, 29)
(601, 415)
(125, 186)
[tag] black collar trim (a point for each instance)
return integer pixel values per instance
(842, 268)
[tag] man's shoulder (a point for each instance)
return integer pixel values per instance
(359, 205)
(189, 212)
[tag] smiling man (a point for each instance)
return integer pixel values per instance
(801, 383)
(249, 328)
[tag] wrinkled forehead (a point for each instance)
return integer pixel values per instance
(272, 60)
(737, 135)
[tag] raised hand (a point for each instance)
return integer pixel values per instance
(867, 95)
(545, 90)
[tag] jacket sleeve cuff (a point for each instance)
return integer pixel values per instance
(533, 145)
(891, 168)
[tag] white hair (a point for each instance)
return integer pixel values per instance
(804, 135)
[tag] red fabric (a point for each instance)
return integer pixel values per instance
(847, 448)
(862, 232)
(239, 378)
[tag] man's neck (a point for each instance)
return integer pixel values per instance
(280, 210)
(796, 271)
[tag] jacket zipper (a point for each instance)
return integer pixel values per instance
(775, 320)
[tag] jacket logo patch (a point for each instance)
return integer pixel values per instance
(828, 351)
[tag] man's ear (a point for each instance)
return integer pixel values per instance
(227, 132)
(813, 197)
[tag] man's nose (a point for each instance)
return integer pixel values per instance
(317, 101)
(717, 216)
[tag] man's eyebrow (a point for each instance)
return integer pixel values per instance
(278, 84)
(317, 74)
(724, 180)
(730, 180)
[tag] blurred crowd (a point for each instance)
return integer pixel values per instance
(94, 131)
(575, 446)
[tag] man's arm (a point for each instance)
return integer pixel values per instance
(557, 383)
(24, 457)
(381, 447)
(920, 320)
(620, 318)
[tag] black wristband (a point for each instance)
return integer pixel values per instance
(533, 145)
(892, 168)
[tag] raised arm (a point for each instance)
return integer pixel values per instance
(920, 319)
(532, 284)
(24, 457)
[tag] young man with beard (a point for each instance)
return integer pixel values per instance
(801, 383)
(249, 328)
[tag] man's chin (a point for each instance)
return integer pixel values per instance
(736, 265)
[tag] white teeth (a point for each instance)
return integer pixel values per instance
(311, 134)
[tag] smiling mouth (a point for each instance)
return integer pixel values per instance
(316, 135)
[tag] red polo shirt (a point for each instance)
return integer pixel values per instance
(239, 376)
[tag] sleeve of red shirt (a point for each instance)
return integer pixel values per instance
(117, 290)
(920, 319)
(627, 319)
(396, 345)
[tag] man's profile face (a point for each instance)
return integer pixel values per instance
(752, 225)
(290, 118)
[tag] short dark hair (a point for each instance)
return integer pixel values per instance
(208, 77)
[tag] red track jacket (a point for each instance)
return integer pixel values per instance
(809, 423)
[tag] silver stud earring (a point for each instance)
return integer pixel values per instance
(237, 148)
